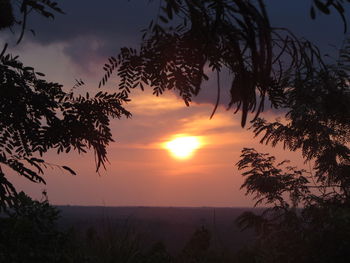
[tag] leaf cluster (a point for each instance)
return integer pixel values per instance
(269, 182)
(309, 211)
(190, 38)
(317, 122)
(303, 217)
(37, 116)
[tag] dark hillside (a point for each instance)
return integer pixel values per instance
(172, 225)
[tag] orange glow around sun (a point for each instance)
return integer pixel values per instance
(183, 147)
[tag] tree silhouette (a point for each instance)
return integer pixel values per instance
(30, 234)
(317, 122)
(309, 218)
(236, 35)
(37, 116)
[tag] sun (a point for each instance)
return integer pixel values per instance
(183, 147)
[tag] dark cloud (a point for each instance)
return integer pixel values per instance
(89, 52)
(106, 19)
(326, 31)
(113, 19)
(120, 22)
(93, 30)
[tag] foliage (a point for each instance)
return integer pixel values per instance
(28, 233)
(269, 182)
(309, 217)
(197, 247)
(38, 116)
(158, 254)
(317, 231)
(109, 242)
(317, 122)
(188, 37)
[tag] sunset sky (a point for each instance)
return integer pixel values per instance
(142, 172)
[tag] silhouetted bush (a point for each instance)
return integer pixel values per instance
(28, 233)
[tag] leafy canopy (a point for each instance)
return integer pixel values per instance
(189, 36)
(37, 116)
(309, 216)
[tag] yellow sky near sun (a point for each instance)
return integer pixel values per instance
(169, 111)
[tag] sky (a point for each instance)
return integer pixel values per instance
(141, 171)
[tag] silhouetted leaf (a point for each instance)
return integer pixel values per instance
(69, 170)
